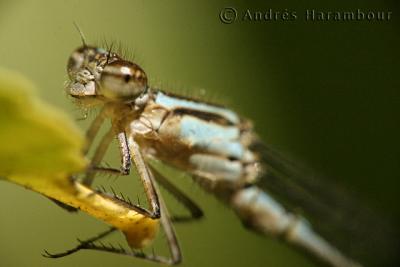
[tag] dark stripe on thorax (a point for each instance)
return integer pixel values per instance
(205, 116)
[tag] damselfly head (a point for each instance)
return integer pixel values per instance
(84, 69)
(97, 72)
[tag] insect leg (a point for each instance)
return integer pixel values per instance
(142, 169)
(147, 181)
(98, 156)
(94, 129)
(89, 244)
(173, 244)
(125, 158)
(90, 135)
(100, 152)
(82, 245)
(125, 154)
(195, 211)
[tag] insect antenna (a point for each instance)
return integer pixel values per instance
(83, 39)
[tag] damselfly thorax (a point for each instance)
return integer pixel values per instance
(212, 143)
(207, 140)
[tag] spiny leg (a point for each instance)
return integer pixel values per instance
(147, 180)
(82, 245)
(127, 147)
(102, 148)
(89, 244)
(138, 160)
(166, 223)
(98, 156)
(173, 244)
(100, 152)
(124, 153)
(195, 211)
(93, 129)
(90, 136)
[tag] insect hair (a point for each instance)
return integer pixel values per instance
(116, 46)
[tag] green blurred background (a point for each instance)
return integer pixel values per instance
(323, 93)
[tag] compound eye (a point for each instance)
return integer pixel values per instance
(75, 62)
(122, 80)
(79, 59)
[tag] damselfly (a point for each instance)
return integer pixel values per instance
(213, 144)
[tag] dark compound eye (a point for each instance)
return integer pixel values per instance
(122, 80)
